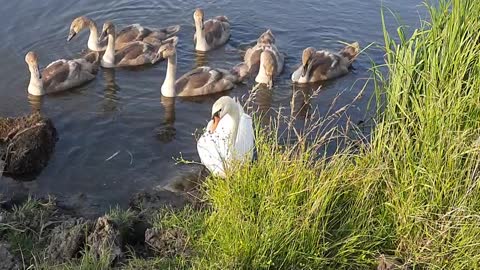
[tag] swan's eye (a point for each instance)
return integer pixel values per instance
(217, 114)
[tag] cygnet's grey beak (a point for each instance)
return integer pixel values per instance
(71, 35)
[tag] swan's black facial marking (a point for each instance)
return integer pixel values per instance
(217, 114)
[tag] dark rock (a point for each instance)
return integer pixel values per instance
(26, 144)
(183, 189)
(105, 240)
(167, 242)
(136, 233)
(165, 133)
(79, 205)
(7, 261)
(68, 239)
(188, 178)
(152, 200)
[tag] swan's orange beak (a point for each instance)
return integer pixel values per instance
(216, 120)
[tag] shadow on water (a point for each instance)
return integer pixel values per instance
(36, 103)
(111, 99)
(201, 59)
(166, 131)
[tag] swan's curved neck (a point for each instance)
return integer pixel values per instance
(35, 87)
(168, 86)
(93, 37)
(108, 59)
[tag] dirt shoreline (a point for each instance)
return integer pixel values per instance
(61, 236)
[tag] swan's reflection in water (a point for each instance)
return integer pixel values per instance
(111, 99)
(200, 59)
(302, 95)
(36, 103)
(166, 132)
(262, 98)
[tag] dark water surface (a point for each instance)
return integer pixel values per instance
(109, 147)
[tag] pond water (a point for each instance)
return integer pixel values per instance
(109, 144)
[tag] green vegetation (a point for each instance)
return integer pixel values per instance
(412, 193)
(25, 229)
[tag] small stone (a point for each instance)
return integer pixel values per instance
(106, 240)
(68, 239)
(166, 242)
(390, 263)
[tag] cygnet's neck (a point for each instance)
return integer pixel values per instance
(93, 43)
(168, 86)
(35, 87)
(201, 43)
(262, 75)
(108, 59)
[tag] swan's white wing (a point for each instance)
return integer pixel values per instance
(213, 147)
(244, 143)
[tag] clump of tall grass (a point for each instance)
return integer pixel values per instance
(294, 206)
(412, 192)
(425, 138)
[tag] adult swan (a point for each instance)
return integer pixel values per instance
(228, 138)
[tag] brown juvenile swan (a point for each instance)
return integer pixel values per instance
(210, 34)
(324, 65)
(133, 32)
(59, 75)
(135, 53)
(201, 80)
(264, 59)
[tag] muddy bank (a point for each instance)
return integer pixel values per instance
(57, 235)
(26, 144)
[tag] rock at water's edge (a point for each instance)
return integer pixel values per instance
(26, 144)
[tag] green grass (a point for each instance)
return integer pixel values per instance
(124, 219)
(25, 228)
(87, 261)
(411, 193)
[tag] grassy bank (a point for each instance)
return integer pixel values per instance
(410, 194)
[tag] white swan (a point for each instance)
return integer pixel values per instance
(229, 137)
